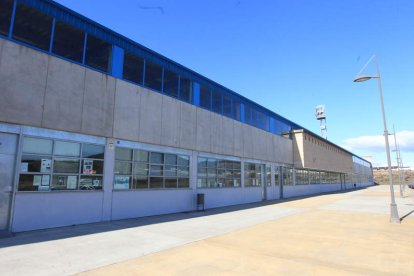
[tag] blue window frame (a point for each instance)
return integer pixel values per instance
(6, 10)
(205, 97)
(32, 27)
(133, 69)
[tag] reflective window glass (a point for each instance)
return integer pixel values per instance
(122, 167)
(217, 104)
(90, 182)
(157, 158)
(183, 160)
(227, 106)
(156, 182)
(98, 53)
(64, 165)
(32, 27)
(170, 182)
(140, 182)
(93, 151)
(183, 183)
(37, 146)
(68, 42)
(153, 76)
(123, 154)
(171, 159)
(133, 68)
(170, 83)
(140, 169)
(67, 148)
(141, 155)
(235, 109)
(186, 89)
(205, 97)
(6, 8)
(64, 182)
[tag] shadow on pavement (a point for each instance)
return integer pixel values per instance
(66, 232)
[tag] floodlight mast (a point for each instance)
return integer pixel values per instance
(320, 114)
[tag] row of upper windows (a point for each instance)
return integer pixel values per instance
(44, 32)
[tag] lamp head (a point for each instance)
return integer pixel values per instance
(361, 78)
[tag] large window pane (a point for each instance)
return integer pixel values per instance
(90, 183)
(64, 182)
(141, 155)
(36, 163)
(6, 7)
(68, 42)
(122, 167)
(205, 97)
(123, 154)
(183, 183)
(140, 182)
(171, 159)
(32, 27)
(140, 169)
(156, 182)
(93, 151)
(186, 89)
(92, 166)
(153, 76)
(37, 146)
(63, 165)
(170, 83)
(171, 183)
(183, 160)
(227, 106)
(67, 148)
(133, 68)
(34, 182)
(235, 109)
(157, 158)
(217, 105)
(98, 53)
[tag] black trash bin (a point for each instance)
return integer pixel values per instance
(200, 201)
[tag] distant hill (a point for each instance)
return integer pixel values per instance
(381, 176)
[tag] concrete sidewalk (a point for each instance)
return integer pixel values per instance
(343, 233)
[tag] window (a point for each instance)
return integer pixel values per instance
(186, 89)
(32, 27)
(140, 169)
(268, 176)
(252, 175)
(227, 106)
(153, 76)
(256, 118)
(6, 9)
(98, 53)
(133, 68)
(218, 173)
(287, 176)
(217, 102)
(68, 42)
(205, 97)
(60, 165)
(279, 127)
(302, 177)
(277, 176)
(236, 109)
(170, 83)
(314, 177)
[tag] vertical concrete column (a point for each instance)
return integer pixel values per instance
(108, 179)
(193, 177)
(272, 180)
(242, 179)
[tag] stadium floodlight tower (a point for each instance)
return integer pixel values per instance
(320, 114)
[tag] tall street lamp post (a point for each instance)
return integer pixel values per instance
(394, 218)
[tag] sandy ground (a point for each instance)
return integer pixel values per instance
(337, 234)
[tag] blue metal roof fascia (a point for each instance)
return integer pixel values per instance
(77, 20)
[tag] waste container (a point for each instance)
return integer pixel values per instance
(200, 201)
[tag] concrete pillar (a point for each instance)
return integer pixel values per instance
(108, 180)
(193, 177)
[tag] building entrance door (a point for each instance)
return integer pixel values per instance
(8, 148)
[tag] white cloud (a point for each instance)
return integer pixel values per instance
(405, 140)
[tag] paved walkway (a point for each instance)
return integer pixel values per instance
(343, 233)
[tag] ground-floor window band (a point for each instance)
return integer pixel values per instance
(141, 169)
(49, 164)
(218, 173)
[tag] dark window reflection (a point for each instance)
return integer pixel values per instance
(6, 8)
(98, 53)
(153, 76)
(133, 68)
(68, 42)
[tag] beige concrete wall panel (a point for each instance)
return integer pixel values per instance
(170, 131)
(283, 152)
(248, 150)
(203, 130)
(64, 95)
(23, 74)
(98, 104)
(126, 111)
(150, 117)
(228, 136)
(216, 126)
(259, 144)
(238, 139)
(269, 147)
(188, 128)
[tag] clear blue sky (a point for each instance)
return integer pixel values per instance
(288, 56)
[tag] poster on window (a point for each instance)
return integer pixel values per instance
(24, 167)
(71, 182)
(121, 182)
(46, 165)
(45, 180)
(37, 180)
(88, 167)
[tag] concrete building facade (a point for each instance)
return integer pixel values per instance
(95, 127)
